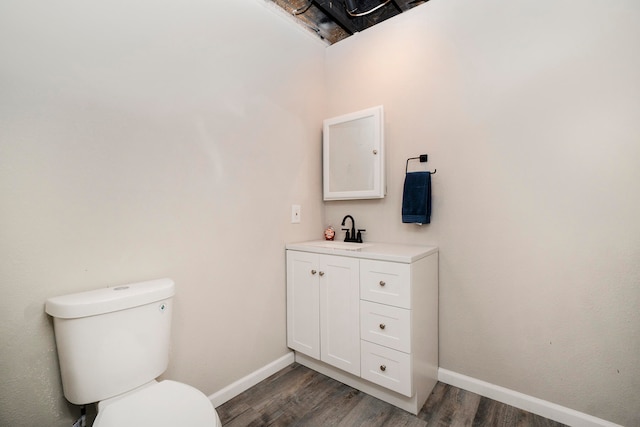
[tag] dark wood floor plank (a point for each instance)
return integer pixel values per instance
(491, 413)
(243, 401)
(276, 388)
(333, 409)
(368, 412)
(454, 407)
(247, 418)
(300, 397)
(401, 418)
(314, 395)
(282, 387)
(435, 400)
(285, 420)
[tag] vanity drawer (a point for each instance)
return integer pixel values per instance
(386, 325)
(385, 282)
(386, 367)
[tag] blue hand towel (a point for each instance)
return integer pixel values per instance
(416, 198)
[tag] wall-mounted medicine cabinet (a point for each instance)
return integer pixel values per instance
(353, 156)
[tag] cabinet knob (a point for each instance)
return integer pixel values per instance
(382, 283)
(383, 368)
(313, 272)
(382, 326)
(321, 273)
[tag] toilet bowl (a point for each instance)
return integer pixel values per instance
(159, 404)
(127, 328)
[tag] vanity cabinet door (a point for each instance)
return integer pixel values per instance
(340, 312)
(303, 303)
(323, 308)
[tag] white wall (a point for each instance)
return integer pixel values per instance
(530, 111)
(143, 139)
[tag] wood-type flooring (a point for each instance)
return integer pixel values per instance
(299, 396)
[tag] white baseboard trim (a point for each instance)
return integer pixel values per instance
(234, 389)
(531, 404)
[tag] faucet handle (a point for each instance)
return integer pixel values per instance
(347, 237)
(359, 238)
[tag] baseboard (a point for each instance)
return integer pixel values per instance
(234, 389)
(531, 404)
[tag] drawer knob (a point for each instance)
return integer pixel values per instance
(382, 326)
(382, 283)
(383, 368)
(321, 273)
(313, 272)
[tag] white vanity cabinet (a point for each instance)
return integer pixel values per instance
(323, 308)
(366, 317)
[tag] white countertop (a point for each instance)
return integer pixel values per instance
(369, 250)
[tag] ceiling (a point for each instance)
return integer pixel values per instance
(330, 20)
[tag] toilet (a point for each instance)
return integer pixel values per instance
(112, 345)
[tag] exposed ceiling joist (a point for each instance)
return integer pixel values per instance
(330, 20)
(408, 4)
(337, 12)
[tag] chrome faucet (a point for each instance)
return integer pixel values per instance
(351, 234)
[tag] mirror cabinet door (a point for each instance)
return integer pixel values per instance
(353, 156)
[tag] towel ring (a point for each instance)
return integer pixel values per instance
(423, 159)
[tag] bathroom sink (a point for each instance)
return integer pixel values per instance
(348, 246)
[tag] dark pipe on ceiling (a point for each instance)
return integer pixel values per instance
(350, 6)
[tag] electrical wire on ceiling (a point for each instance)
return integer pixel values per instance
(351, 7)
(303, 9)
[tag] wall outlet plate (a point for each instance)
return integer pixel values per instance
(295, 214)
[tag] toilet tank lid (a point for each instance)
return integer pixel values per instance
(107, 300)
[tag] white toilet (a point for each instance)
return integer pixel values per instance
(112, 344)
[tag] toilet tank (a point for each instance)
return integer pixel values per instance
(112, 340)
